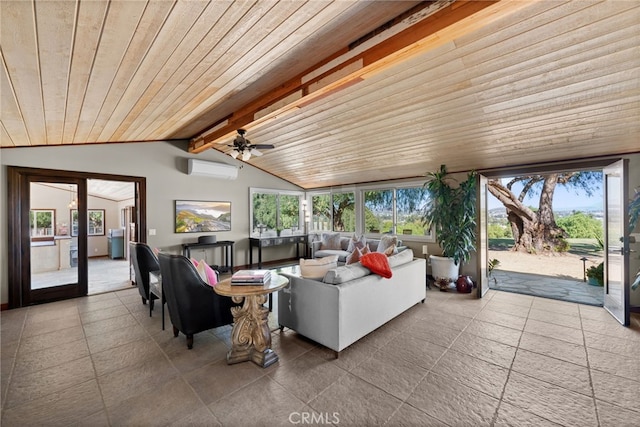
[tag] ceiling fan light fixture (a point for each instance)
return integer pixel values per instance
(234, 154)
(246, 155)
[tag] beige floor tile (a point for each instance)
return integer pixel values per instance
(555, 318)
(95, 303)
(217, 379)
(552, 347)
(47, 381)
(349, 358)
(356, 402)
(506, 308)
(106, 313)
(551, 330)
(167, 403)
(615, 416)
(475, 373)
(116, 338)
(616, 390)
(408, 416)
(491, 331)
(453, 403)
(306, 377)
(66, 407)
(199, 417)
(52, 339)
(554, 306)
(51, 356)
(141, 378)
(106, 326)
(50, 325)
(446, 319)
(551, 402)
(394, 375)
(289, 346)
(509, 416)
(379, 337)
(463, 305)
(485, 349)
(125, 355)
(440, 335)
(422, 353)
(621, 346)
(502, 319)
(554, 371)
(615, 364)
(262, 403)
(610, 327)
(50, 313)
(510, 298)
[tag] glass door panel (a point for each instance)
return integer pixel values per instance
(53, 249)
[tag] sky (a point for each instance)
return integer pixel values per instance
(564, 198)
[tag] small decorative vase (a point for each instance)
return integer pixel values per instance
(464, 284)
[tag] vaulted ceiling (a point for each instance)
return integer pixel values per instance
(347, 91)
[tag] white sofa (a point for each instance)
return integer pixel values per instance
(343, 253)
(337, 315)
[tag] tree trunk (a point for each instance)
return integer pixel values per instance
(532, 232)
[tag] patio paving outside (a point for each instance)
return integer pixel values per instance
(547, 287)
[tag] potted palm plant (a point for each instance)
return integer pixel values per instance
(451, 211)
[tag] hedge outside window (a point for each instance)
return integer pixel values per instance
(344, 211)
(95, 226)
(41, 222)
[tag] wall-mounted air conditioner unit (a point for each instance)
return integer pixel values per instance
(212, 169)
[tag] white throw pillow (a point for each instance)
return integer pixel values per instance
(318, 267)
(387, 241)
(356, 242)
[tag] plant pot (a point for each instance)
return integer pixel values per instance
(593, 281)
(464, 284)
(444, 268)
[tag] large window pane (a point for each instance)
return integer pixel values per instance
(410, 203)
(41, 222)
(378, 211)
(265, 211)
(321, 215)
(344, 215)
(289, 212)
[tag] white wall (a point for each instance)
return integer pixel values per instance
(164, 165)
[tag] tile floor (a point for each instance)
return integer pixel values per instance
(505, 360)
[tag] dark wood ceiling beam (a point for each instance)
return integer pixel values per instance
(335, 73)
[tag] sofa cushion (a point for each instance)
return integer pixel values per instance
(345, 273)
(400, 258)
(317, 268)
(356, 242)
(342, 255)
(385, 242)
(377, 263)
(330, 241)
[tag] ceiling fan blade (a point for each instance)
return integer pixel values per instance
(256, 152)
(263, 146)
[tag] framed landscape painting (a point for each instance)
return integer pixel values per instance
(194, 216)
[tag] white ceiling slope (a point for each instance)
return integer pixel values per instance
(347, 91)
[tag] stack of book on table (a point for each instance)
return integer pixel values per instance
(250, 277)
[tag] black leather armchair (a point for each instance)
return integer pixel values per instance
(193, 305)
(144, 262)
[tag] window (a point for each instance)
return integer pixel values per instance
(321, 212)
(410, 203)
(95, 226)
(41, 222)
(344, 212)
(273, 210)
(378, 211)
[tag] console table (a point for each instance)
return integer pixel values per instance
(226, 245)
(266, 242)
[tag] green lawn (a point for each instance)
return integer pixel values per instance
(580, 247)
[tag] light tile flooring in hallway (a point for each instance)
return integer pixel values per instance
(504, 360)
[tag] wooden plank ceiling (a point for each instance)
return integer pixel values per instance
(347, 91)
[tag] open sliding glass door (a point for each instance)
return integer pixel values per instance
(616, 286)
(481, 236)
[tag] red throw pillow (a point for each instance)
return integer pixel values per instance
(378, 263)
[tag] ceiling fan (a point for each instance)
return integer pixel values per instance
(242, 145)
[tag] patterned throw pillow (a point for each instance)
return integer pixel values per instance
(390, 250)
(207, 273)
(356, 242)
(377, 263)
(330, 241)
(386, 241)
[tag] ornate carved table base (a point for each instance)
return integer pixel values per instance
(251, 337)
